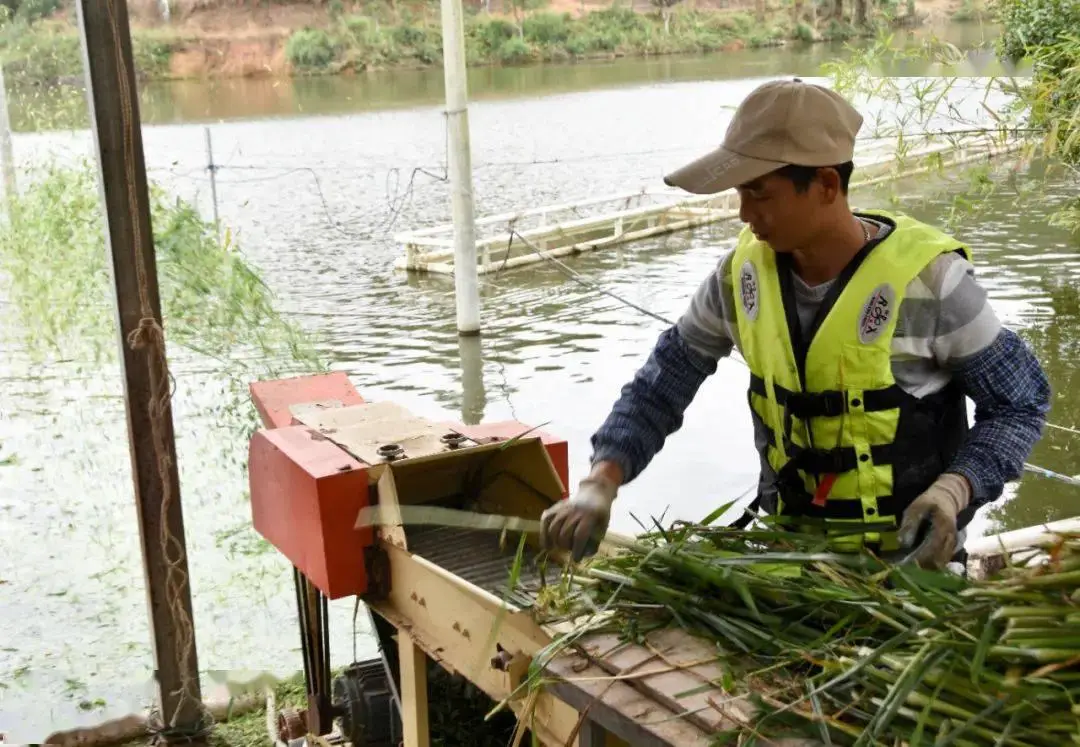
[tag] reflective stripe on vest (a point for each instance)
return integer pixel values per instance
(830, 404)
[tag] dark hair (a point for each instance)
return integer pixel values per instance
(801, 176)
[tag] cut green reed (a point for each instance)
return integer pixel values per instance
(848, 648)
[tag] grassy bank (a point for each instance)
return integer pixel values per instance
(361, 42)
(46, 50)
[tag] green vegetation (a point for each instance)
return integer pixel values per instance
(29, 10)
(457, 713)
(544, 36)
(249, 730)
(216, 309)
(847, 648)
(1047, 33)
(50, 50)
(1038, 114)
(360, 42)
(37, 47)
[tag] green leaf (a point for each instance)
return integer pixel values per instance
(986, 639)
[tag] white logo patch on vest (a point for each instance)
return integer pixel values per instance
(748, 289)
(877, 311)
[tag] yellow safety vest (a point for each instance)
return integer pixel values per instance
(850, 447)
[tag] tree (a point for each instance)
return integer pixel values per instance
(665, 7)
(521, 9)
(797, 12)
(862, 14)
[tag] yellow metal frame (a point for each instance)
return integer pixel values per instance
(450, 620)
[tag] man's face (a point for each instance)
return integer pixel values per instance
(780, 215)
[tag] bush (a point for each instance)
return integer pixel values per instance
(607, 40)
(409, 36)
(616, 21)
(362, 30)
(579, 44)
(1028, 25)
(311, 49)
(490, 33)
(514, 50)
(839, 31)
(547, 28)
(151, 55)
(1045, 31)
(41, 55)
(30, 10)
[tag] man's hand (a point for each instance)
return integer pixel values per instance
(571, 524)
(940, 504)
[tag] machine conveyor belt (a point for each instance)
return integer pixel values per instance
(478, 557)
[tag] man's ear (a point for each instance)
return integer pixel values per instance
(829, 181)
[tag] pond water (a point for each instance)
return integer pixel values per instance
(315, 178)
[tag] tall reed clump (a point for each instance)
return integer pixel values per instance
(849, 649)
(55, 277)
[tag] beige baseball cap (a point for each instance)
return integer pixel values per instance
(781, 123)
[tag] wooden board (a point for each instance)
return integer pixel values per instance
(617, 707)
(677, 670)
(362, 429)
(680, 672)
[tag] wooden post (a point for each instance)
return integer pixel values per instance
(414, 694)
(114, 117)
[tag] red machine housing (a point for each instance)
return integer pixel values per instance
(306, 491)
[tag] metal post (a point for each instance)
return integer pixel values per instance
(466, 284)
(114, 117)
(213, 180)
(7, 158)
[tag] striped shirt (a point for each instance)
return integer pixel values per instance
(946, 330)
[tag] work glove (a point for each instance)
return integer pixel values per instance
(940, 505)
(579, 523)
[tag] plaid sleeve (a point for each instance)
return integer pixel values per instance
(1012, 397)
(651, 405)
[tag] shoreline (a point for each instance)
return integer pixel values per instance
(47, 52)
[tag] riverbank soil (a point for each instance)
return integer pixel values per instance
(245, 38)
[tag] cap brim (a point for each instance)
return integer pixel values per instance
(719, 171)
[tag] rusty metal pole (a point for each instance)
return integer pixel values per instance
(114, 116)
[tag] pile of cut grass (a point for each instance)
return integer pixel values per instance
(848, 649)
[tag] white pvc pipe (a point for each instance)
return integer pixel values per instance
(466, 283)
(1019, 539)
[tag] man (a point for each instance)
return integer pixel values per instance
(863, 333)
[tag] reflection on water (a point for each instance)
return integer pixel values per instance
(316, 201)
(473, 396)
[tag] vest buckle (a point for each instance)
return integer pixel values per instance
(805, 405)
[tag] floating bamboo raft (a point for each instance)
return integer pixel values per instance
(526, 237)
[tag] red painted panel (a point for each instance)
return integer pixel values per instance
(558, 449)
(305, 495)
(273, 398)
